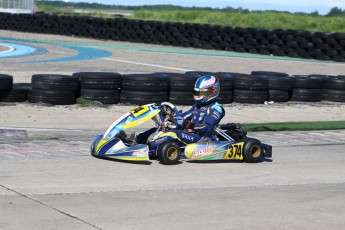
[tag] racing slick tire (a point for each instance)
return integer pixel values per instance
(168, 153)
(253, 151)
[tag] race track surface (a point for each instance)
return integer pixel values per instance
(48, 180)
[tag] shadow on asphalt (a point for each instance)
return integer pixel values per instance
(220, 161)
(123, 161)
(213, 161)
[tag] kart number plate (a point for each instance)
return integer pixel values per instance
(140, 110)
(235, 151)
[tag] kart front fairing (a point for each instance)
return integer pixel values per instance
(110, 145)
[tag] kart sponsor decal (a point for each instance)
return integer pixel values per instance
(187, 137)
(140, 110)
(139, 154)
(235, 151)
(204, 151)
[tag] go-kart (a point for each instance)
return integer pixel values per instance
(227, 141)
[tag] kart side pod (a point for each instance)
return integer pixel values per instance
(249, 150)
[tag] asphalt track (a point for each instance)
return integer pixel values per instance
(48, 180)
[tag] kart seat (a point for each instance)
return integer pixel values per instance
(205, 139)
(209, 137)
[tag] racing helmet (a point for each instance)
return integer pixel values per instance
(206, 89)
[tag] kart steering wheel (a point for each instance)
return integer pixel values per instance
(170, 110)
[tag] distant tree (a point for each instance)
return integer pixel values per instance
(315, 13)
(335, 11)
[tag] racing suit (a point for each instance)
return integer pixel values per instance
(199, 121)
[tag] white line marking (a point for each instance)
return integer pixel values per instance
(10, 49)
(43, 129)
(145, 64)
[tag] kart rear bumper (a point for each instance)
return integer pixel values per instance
(267, 150)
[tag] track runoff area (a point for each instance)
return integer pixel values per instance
(50, 182)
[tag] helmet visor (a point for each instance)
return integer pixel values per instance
(203, 92)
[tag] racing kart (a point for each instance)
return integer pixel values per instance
(226, 141)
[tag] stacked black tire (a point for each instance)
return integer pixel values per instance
(103, 87)
(111, 88)
(250, 89)
(279, 85)
(53, 89)
(278, 42)
(306, 88)
(144, 89)
(182, 88)
(333, 88)
(10, 92)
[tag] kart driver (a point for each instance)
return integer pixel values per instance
(202, 119)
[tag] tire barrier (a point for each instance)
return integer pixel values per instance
(306, 88)
(100, 86)
(181, 88)
(250, 89)
(112, 88)
(333, 88)
(278, 42)
(18, 93)
(53, 89)
(144, 88)
(6, 81)
(10, 92)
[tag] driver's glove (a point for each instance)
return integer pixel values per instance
(179, 120)
(185, 123)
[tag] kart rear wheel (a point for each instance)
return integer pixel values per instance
(169, 153)
(253, 151)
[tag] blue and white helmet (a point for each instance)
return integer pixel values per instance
(206, 89)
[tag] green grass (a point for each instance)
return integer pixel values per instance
(224, 17)
(267, 20)
(295, 126)
(233, 18)
(89, 103)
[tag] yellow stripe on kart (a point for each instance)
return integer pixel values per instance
(128, 158)
(101, 143)
(170, 134)
(131, 124)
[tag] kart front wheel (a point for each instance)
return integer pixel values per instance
(169, 153)
(253, 151)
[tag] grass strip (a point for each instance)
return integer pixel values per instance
(265, 20)
(295, 126)
(90, 103)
